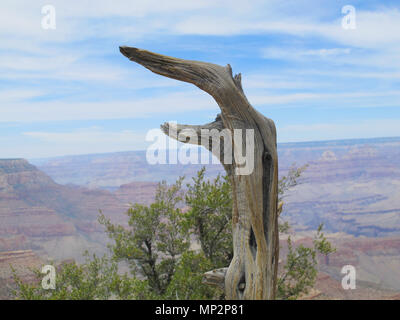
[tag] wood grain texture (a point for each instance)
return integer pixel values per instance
(252, 273)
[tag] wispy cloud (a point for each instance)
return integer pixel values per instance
(116, 109)
(328, 98)
(89, 136)
(81, 141)
(297, 54)
(291, 54)
(340, 130)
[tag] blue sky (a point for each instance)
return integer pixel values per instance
(70, 91)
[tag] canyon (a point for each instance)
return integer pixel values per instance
(49, 207)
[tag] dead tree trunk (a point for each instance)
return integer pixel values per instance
(253, 270)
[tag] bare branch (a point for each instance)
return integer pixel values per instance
(201, 74)
(252, 273)
(191, 133)
(215, 278)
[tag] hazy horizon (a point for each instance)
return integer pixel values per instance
(280, 144)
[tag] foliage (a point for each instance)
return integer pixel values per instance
(300, 270)
(170, 243)
(95, 279)
(155, 238)
(210, 216)
(290, 180)
(187, 281)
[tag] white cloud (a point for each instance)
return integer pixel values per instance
(88, 136)
(43, 54)
(296, 54)
(129, 8)
(10, 96)
(375, 29)
(30, 53)
(87, 140)
(39, 144)
(261, 81)
(327, 52)
(355, 98)
(339, 130)
(117, 109)
(352, 74)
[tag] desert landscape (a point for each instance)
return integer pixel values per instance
(49, 208)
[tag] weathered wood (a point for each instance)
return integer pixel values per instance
(216, 278)
(252, 273)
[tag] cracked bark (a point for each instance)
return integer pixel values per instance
(252, 273)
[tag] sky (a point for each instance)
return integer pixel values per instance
(68, 90)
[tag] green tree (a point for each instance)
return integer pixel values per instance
(170, 243)
(97, 278)
(209, 217)
(155, 239)
(186, 282)
(300, 270)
